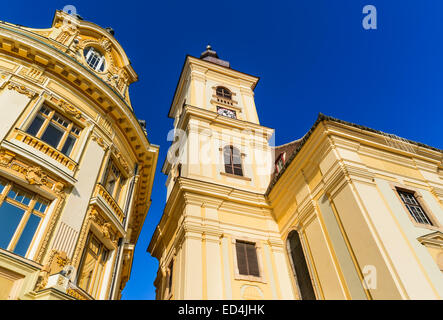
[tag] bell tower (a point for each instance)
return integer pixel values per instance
(217, 238)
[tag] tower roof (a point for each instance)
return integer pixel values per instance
(211, 56)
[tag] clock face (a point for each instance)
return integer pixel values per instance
(226, 112)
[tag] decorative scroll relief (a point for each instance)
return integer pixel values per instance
(117, 77)
(122, 161)
(64, 30)
(100, 141)
(102, 225)
(65, 107)
(21, 89)
(56, 262)
(35, 175)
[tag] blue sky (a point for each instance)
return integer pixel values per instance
(311, 55)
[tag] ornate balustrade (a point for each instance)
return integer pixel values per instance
(45, 148)
(117, 211)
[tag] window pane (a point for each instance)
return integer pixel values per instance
(45, 110)
(19, 195)
(97, 279)
(87, 269)
(251, 253)
(35, 125)
(10, 217)
(41, 205)
(241, 258)
(69, 144)
(120, 187)
(2, 185)
(52, 135)
(27, 235)
(110, 185)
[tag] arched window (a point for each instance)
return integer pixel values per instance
(223, 92)
(94, 59)
(300, 266)
(232, 158)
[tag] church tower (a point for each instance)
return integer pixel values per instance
(217, 238)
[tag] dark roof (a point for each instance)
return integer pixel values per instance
(287, 148)
(300, 143)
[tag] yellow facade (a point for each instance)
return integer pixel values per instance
(75, 163)
(339, 188)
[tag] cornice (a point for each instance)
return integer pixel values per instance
(213, 117)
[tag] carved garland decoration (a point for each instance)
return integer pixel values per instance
(65, 107)
(100, 141)
(21, 89)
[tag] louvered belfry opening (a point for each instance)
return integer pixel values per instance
(300, 266)
(232, 158)
(247, 258)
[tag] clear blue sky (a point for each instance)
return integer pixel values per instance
(311, 55)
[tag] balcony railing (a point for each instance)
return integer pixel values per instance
(45, 148)
(109, 200)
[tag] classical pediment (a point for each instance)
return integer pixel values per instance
(434, 239)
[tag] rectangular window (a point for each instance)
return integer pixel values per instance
(280, 162)
(414, 207)
(113, 180)
(92, 266)
(247, 260)
(55, 130)
(233, 161)
(21, 213)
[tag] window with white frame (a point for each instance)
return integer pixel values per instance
(95, 59)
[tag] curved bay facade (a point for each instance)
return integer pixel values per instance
(76, 165)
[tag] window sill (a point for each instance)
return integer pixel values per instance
(249, 278)
(235, 176)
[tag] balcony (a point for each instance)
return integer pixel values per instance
(44, 148)
(100, 192)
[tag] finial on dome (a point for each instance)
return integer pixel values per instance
(211, 55)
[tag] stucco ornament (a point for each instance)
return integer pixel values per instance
(35, 175)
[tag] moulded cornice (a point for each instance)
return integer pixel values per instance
(379, 141)
(214, 118)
